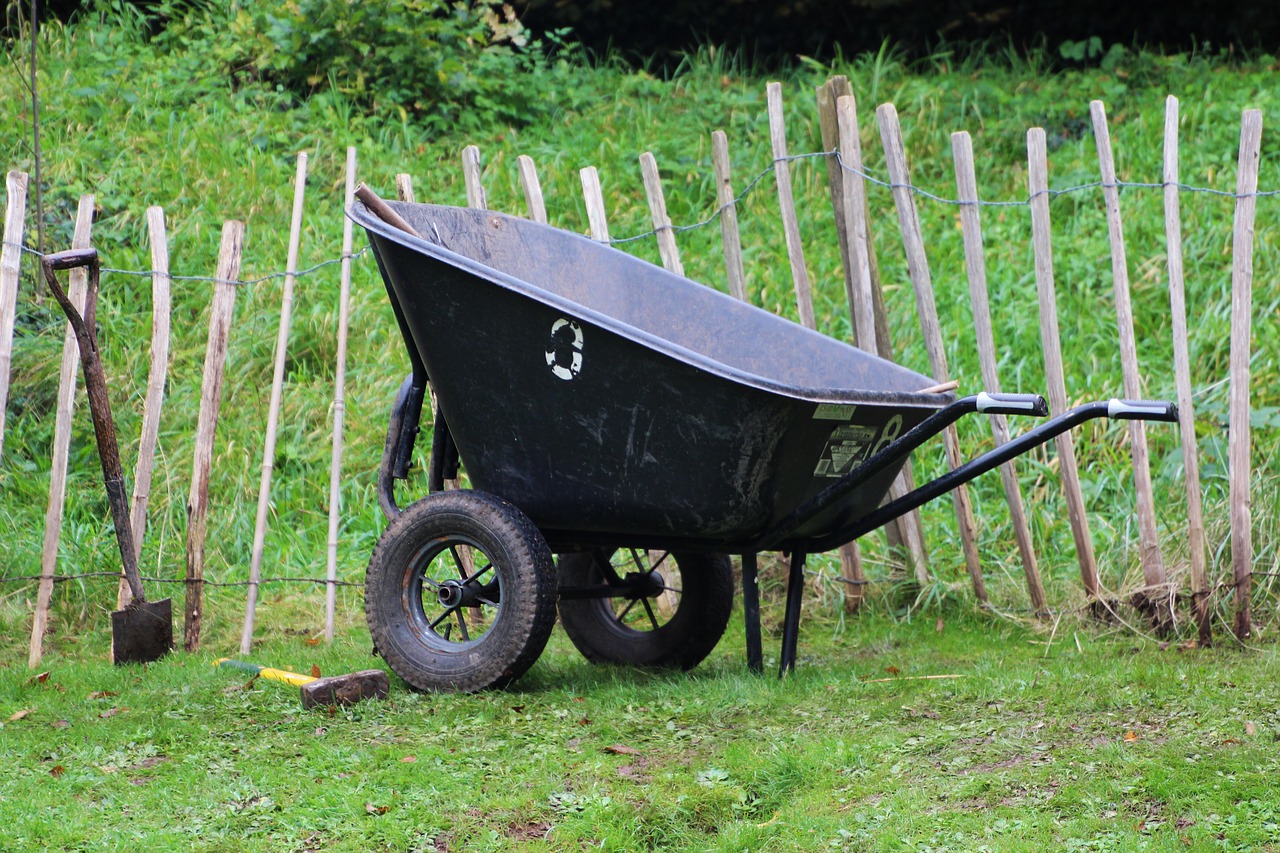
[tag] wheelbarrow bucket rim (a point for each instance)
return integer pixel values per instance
(362, 216)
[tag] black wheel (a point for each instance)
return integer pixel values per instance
(635, 627)
(460, 594)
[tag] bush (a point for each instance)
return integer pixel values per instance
(430, 58)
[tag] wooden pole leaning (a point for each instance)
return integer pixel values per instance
(975, 266)
(78, 282)
(1196, 542)
(1156, 598)
(476, 197)
(215, 361)
(1239, 440)
(161, 323)
(1055, 376)
(593, 198)
(787, 206)
(918, 270)
(668, 251)
(273, 408)
(339, 395)
(727, 206)
(15, 213)
(532, 188)
(870, 319)
(851, 571)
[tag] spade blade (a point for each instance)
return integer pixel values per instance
(142, 632)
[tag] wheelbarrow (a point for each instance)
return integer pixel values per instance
(638, 425)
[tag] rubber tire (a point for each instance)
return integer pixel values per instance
(706, 600)
(526, 608)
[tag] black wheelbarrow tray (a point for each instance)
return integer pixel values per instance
(639, 425)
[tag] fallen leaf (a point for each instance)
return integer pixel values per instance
(892, 670)
(61, 724)
(622, 749)
(57, 770)
(585, 721)
(376, 810)
(18, 715)
(409, 759)
(102, 694)
(1250, 729)
(110, 712)
(1130, 736)
(315, 671)
(939, 626)
(313, 641)
(40, 678)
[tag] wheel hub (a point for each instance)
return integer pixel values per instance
(455, 593)
(644, 585)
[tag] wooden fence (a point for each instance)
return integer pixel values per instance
(848, 179)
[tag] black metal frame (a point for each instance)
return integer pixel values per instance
(406, 412)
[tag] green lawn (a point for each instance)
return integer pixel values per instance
(1020, 741)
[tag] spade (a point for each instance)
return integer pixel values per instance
(143, 630)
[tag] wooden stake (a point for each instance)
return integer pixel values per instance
(15, 212)
(787, 206)
(593, 197)
(918, 270)
(273, 408)
(1055, 376)
(1196, 542)
(339, 400)
(728, 207)
(77, 285)
(975, 266)
(850, 555)
(1157, 597)
(667, 248)
(160, 339)
(1238, 443)
(215, 360)
(870, 320)
(471, 175)
(404, 186)
(532, 189)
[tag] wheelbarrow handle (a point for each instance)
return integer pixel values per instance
(1142, 410)
(1011, 404)
(1115, 409)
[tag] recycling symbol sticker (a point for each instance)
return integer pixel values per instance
(564, 350)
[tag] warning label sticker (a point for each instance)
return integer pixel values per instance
(847, 447)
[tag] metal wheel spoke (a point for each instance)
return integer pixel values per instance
(653, 620)
(626, 610)
(486, 601)
(666, 588)
(636, 560)
(457, 562)
(462, 625)
(476, 576)
(447, 629)
(443, 616)
(658, 562)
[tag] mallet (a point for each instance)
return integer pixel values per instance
(334, 690)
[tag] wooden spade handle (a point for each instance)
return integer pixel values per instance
(95, 381)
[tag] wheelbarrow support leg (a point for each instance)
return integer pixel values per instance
(751, 611)
(791, 623)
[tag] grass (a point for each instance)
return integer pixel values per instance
(1061, 734)
(1077, 741)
